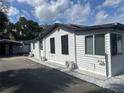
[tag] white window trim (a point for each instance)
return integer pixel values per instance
(90, 55)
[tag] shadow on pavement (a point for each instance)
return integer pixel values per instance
(39, 80)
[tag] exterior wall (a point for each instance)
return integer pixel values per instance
(15, 49)
(7, 49)
(90, 62)
(118, 63)
(58, 56)
(21, 49)
(26, 49)
(36, 51)
(42, 52)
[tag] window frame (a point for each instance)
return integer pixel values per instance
(85, 45)
(117, 53)
(52, 48)
(93, 35)
(41, 45)
(95, 44)
(67, 52)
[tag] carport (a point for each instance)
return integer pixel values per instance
(9, 47)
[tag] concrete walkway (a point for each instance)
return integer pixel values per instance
(113, 83)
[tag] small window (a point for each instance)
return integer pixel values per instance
(52, 45)
(89, 45)
(119, 44)
(116, 44)
(41, 45)
(33, 45)
(64, 44)
(100, 44)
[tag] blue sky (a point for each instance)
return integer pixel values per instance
(83, 12)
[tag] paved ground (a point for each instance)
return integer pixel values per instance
(24, 76)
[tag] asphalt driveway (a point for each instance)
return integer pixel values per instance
(21, 75)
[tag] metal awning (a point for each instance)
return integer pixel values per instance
(6, 41)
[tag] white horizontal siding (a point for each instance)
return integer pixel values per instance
(88, 62)
(36, 50)
(58, 56)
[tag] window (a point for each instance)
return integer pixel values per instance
(95, 44)
(100, 44)
(64, 44)
(89, 45)
(52, 45)
(41, 45)
(33, 45)
(116, 44)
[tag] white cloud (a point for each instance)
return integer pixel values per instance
(33, 2)
(118, 17)
(13, 11)
(52, 10)
(111, 2)
(78, 13)
(101, 17)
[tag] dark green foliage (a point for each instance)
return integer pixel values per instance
(26, 29)
(3, 21)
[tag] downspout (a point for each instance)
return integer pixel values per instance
(75, 50)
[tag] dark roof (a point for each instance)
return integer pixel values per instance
(74, 27)
(56, 25)
(104, 26)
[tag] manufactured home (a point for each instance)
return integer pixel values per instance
(98, 49)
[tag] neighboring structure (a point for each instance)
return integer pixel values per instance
(12, 47)
(9, 47)
(97, 49)
(25, 48)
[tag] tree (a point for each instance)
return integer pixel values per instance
(4, 6)
(26, 29)
(3, 21)
(3, 16)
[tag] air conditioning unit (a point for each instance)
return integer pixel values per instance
(70, 65)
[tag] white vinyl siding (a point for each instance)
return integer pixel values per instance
(58, 57)
(88, 62)
(36, 50)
